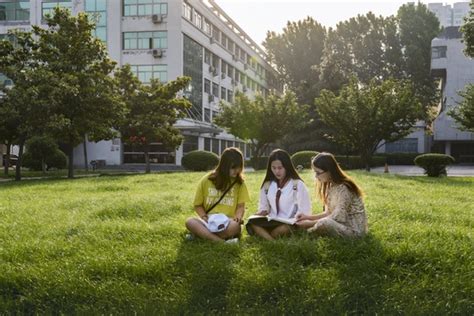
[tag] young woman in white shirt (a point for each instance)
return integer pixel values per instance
(278, 197)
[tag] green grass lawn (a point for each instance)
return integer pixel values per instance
(115, 245)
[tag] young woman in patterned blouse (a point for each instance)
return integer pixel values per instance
(344, 212)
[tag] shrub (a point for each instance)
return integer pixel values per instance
(354, 162)
(200, 160)
(260, 163)
(303, 158)
(399, 158)
(42, 149)
(434, 164)
(58, 160)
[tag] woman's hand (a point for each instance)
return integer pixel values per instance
(238, 219)
(301, 217)
(262, 213)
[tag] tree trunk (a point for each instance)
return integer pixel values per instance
(43, 166)
(70, 173)
(7, 158)
(147, 160)
(19, 161)
(366, 158)
(86, 165)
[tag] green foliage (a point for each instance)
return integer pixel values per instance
(417, 27)
(464, 113)
(434, 164)
(296, 66)
(152, 110)
(399, 158)
(468, 32)
(261, 121)
(259, 163)
(43, 152)
(362, 117)
(200, 160)
(355, 162)
(115, 245)
(303, 158)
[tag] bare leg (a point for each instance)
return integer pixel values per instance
(197, 227)
(233, 230)
(305, 224)
(329, 227)
(262, 232)
(282, 230)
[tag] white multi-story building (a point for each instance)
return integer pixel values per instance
(455, 70)
(165, 39)
(450, 15)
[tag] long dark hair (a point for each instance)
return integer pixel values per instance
(231, 158)
(284, 157)
(327, 162)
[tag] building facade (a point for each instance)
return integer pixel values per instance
(165, 39)
(455, 70)
(450, 15)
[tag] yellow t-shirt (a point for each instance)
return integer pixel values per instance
(207, 195)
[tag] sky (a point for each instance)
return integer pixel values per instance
(256, 17)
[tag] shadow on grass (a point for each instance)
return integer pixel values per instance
(204, 271)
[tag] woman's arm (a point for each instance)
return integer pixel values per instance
(201, 212)
(315, 217)
(239, 212)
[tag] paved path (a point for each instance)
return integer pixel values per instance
(453, 171)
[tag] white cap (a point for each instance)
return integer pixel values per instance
(217, 223)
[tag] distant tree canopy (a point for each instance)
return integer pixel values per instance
(467, 30)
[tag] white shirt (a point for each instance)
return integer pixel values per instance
(267, 202)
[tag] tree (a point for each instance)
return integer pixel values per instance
(82, 98)
(467, 30)
(151, 111)
(297, 53)
(40, 148)
(24, 111)
(261, 121)
(417, 27)
(364, 116)
(464, 113)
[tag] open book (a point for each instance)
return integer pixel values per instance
(289, 221)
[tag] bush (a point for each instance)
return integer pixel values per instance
(200, 160)
(399, 158)
(303, 158)
(57, 160)
(434, 164)
(354, 162)
(260, 163)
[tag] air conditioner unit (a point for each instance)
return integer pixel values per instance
(157, 53)
(157, 18)
(234, 58)
(215, 73)
(211, 40)
(212, 69)
(211, 98)
(232, 81)
(246, 66)
(223, 75)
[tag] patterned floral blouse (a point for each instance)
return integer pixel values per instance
(347, 208)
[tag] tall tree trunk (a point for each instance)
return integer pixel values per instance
(147, 160)
(86, 165)
(19, 161)
(43, 166)
(7, 158)
(70, 173)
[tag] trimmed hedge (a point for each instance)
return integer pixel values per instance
(399, 158)
(354, 162)
(200, 160)
(260, 163)
(303, 158)
(434, 164)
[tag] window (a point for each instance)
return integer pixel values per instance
(15, 10)
(207, 144)
(145, 40)
(197, 19)
(144, 7)
(47, 6)
(438, 52)
(230, 71)
(207, 27)
(207, 86)
(223, 93)
(207, 115)
(190, 143)
(147, 72)
(230, 96)
(405, 145)
(97, 11)
(207, 56)
(187, 10)
(215, 90)
(215, 146)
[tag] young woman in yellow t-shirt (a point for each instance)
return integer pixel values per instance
(211, 188)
